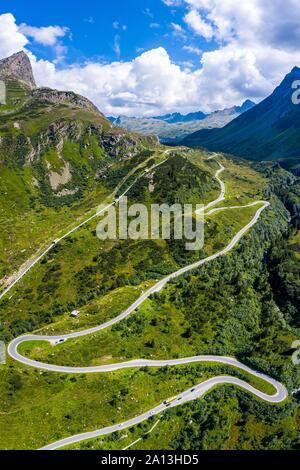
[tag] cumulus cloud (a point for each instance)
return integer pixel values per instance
(14, 38)
(275, 22)
(144, 86)
(47, 35)
(256, 44)
(152, 83)
(199, 25)
(11, 39)
(193, 50)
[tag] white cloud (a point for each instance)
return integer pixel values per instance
(148, 12)
(178, 31)
(199, 3)
(149, 84)
(193, 50)
(173, 3)
(117, 45)
(154, 25)
(177, 27)
(257, 44)
(199, 25)
(11, 39)
(47, 35)
(89, 19)
(266, 21)
(117, 25)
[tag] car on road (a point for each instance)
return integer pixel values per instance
(169, 401)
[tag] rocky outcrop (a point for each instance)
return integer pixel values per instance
(48, 119)
(60, 179)
(66, 98)
(18, 66)
(114, 145)
(117, 145)
(55, 135)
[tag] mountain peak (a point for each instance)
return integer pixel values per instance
(248, 104)
(270, 130)
(18, 66)
(295, 69)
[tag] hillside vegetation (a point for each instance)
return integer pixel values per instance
(268, 131)
(59, 159)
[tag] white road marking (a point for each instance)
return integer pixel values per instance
(191, 394)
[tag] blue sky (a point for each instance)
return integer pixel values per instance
(94, 25)
(145, 57)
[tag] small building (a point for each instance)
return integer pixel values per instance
(75, 314)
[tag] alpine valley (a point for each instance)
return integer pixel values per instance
(116, 344)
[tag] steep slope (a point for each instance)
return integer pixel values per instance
(270, 130)
(171, 128)
(17, 66)
(56, 151)
(224, 308)
(60, 137)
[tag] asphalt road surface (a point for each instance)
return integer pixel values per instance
(189, 395)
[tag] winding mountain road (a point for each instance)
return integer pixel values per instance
(67, 234)
(187, 396)
(192, 394)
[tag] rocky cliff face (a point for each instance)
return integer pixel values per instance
(55, 97)
(18, 66)
(58, 137)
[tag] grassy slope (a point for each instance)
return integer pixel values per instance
(149, 335)
(55, 406)
(31, 211)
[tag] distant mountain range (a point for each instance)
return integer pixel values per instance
(174, 118)
(270, 130)
(172, 128)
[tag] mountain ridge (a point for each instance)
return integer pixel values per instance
(65, 143)
(268, 131)
(173, 132)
